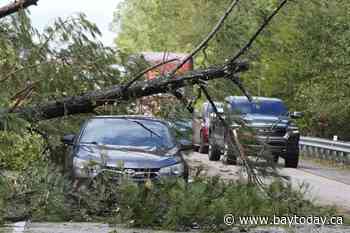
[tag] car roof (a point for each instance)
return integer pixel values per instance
(135, 117)
(259, 98)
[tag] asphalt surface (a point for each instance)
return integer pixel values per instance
(329, 171)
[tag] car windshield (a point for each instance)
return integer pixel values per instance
(263, 107)
(127, 132)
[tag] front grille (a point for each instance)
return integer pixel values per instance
(272, 132)
(137, 174)
(277, 143)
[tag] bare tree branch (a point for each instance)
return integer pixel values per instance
(208, 38)
(15, 71)
(258, 32)
(139, 75)
(16, 6)
(236, 80)
(183, 100)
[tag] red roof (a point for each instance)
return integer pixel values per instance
(157, 57)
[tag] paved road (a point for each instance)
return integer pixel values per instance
(328, 186)
(329, 171)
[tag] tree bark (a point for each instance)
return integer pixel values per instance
(87, 102)
(16, 6)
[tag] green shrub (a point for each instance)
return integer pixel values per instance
(176, 206)
(17, 151)
(44, 194)
(39, 192)
(3, 195)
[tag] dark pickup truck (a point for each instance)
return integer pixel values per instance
(271, 123)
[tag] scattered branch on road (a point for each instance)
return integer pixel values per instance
(16, 6)
(233, 140)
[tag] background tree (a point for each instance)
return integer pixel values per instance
(65, 59)
(301, 58)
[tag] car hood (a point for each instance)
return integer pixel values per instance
(259, 120)
(128, 157)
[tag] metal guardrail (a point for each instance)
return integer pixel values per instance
(325, 149)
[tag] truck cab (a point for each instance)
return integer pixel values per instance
(269, 122)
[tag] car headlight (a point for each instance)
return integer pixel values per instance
(293, 129)
(85, 168)
(177, 170)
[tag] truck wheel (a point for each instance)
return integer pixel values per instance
(230, 161)
(203, 149)
(229, 157)
(292, 159)
(214, 153)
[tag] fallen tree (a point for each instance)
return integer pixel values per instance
(169, 83)
(87, 102)
(16, 6)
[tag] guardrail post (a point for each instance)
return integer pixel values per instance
(325, 149)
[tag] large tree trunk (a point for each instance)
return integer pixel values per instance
(16, 6)
(87, 102)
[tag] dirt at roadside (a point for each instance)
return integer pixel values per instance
(200, 165)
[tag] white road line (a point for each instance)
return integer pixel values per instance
(19, 227)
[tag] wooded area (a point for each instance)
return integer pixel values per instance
(302, 57)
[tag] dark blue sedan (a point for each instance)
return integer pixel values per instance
(136, 147)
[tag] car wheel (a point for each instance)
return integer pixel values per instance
(214, 153)
(203, 149)
(292, 159)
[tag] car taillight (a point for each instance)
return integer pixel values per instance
(205, 133)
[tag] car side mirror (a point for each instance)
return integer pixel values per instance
(296, 115)
(68, 139)
(185, 144)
